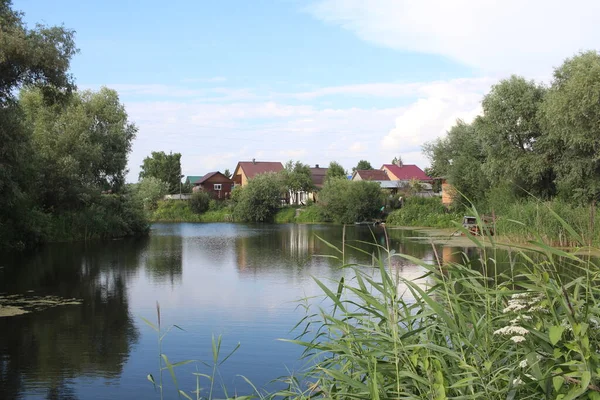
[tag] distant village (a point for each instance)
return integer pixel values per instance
(396, 177)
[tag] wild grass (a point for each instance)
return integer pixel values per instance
(423, 212)
(470, 333)
(536, 217)
(285, 215)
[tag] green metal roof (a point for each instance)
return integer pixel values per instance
(193, 179)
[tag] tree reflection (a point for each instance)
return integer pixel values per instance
(52, 346)
(163, 258)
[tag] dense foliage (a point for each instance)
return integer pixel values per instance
(63, 152)
(149, 191)
(166, 167)
(530, 140)
(423, 212)
(200, 202)
(335, 170)
(346, 201)
(362, 166)
(297, 178)
(260, 199)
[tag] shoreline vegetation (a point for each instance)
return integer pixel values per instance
(462, 330)
(536, 220)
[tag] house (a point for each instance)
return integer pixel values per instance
(246, 170)
(318, 179)
(216, 184)
(370, 175)
(192, 180)
(405, 172)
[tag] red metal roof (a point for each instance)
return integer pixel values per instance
(372, 175)
(251, 169)
(407, 172)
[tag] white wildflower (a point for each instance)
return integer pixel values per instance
(523, 364)
(517, 339)
(511, 330)
(514, 306)
(517, 381)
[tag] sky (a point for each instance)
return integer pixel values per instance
(310, 80)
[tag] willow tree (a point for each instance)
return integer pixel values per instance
(571, 116)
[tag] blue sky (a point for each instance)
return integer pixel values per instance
(315, 80)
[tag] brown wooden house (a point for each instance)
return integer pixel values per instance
(246, 170)
(216, 184)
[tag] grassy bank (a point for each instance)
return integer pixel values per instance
(535, 220)
(180, 211)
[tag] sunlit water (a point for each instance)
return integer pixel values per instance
(239, 281)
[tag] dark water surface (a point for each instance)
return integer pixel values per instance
(241, 281)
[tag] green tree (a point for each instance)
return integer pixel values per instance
(199, 202)
(346, 201)
(571, 116)
(149, 191)
(362, 165)
(335, 170)
(510, 130)
(459, 157)
(398, 161)
(297, 178)
(81, 146)
(227, 173)
(259, 200)
(166, 167)
(40, 57)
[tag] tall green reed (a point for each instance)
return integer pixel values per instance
(528, 333)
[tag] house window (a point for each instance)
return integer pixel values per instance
(217, 186)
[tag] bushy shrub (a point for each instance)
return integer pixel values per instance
(259, 200)
(345, 201)
(200, 202)
(420, 211)
(149, 191)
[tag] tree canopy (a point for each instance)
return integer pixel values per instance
(335, 170)
(166, 167)
(297, 178)
(362, 165)
(529, 140)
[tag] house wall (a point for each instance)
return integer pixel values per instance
(239, 177)
(448, 193)
(226, 186)
(390, 174)
(357, 177)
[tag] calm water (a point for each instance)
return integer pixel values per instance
(241, 281)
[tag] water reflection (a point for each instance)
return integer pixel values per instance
(239, 280)
(40, 352)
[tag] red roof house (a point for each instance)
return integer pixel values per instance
(216, 184)
(406, 172)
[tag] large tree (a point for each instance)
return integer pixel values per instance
(362, 165)
(459, 157)
(335, 170)
(166, 167)
(510, 132)
(41, 57)
(81, 146)
(297, 178)
(571, 116)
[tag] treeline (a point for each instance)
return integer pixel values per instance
(531, 140)
(265, 198)
(63, 153)
(534, 148)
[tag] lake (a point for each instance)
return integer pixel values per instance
(239, 281)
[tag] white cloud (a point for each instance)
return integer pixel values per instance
(214, 136)
(433, 114)
(510, 36)
(357, 147)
